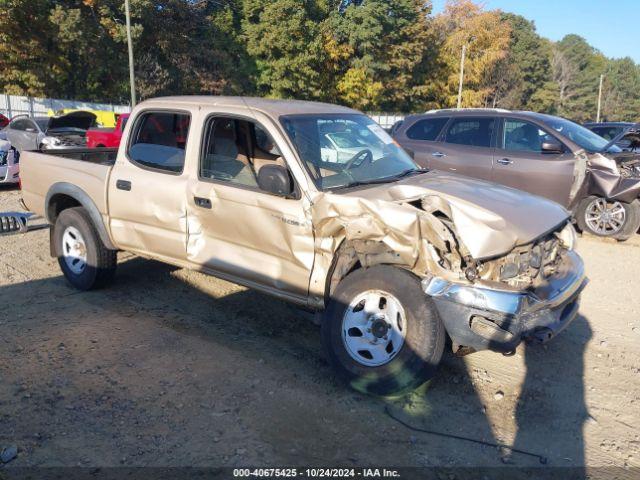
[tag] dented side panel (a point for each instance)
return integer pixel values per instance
(605, 180)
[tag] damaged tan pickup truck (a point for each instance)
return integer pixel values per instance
(317, 205)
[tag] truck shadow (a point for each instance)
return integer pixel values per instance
(241, 342)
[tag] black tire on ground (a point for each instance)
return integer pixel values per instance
(418, 359)
(101, 262)
(630, 227)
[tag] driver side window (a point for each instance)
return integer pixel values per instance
(523, 136)
(235, 150)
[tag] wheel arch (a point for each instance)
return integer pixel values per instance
(63, 195)
(354, 255)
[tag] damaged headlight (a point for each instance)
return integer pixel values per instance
(568, 237)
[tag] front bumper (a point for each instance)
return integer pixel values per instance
(482, 318)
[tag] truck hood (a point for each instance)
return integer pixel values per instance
(490, 219)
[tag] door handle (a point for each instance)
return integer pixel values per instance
(438, 154)
(123, 185)
(202, 202)
(505, 161)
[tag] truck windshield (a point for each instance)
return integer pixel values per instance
(581, 136)
(346, 150)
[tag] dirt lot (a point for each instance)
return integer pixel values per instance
(172, 368)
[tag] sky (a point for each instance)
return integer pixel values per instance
(610, 26)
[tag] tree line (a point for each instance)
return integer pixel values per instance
(375, 55)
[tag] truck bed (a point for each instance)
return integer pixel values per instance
(82, 168)
(103, 156)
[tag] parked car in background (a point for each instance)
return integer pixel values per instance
(542, 154)
(616, 132)
(4, 121)
(391, 257)
(9, 163)
(107, 137)
(104, 118)
(41, 133)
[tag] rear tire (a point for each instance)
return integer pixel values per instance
(84, 260)
(612, 219)
(358, 342)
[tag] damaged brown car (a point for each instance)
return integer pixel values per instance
(541, 154)
(316, 204)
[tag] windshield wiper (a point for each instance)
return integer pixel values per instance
(378, 181)
(406, 173)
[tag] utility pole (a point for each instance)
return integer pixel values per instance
(599, 98)
(132, 78)
(464, 51)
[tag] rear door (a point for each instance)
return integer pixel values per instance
(521, 163)
(148, 184)
(467, 147)
(419, 137)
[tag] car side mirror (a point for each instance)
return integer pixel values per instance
(410, 152)
(30, 130)
(275, 179)
(552, 146)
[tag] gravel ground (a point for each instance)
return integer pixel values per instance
(173, 368)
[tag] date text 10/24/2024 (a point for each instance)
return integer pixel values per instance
(316, 473)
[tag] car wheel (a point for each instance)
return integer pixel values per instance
(608, 218)
(381, 332)
(85, 261)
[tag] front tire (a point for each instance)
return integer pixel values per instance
(84, 260)
(381, 332)
(604, 218)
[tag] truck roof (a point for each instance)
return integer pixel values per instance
(269, 106)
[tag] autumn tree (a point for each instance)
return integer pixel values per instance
(486, 37)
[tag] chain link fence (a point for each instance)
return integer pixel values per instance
(13, 105)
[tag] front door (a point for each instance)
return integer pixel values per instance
(235, 228)
(148, 184)
(23, 134)
(520, 162)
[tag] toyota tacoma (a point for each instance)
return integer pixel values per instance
(396, 261)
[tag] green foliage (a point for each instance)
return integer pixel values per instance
(391, 55)
(525, 70)
(283, 37)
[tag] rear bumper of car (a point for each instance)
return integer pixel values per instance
(481, 318)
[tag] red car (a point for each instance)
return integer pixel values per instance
(107, 137)
(4, 121)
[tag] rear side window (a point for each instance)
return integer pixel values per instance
(427, 129)
(475, 132)
(159, 140)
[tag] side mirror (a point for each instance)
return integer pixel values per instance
(275, 179)
(552, 146)
(410, 152)
(30, 130)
